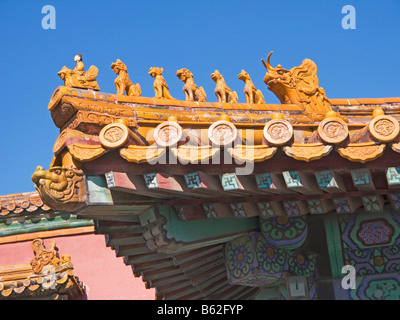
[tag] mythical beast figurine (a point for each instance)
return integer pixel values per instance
(222, 91)
(61, 188)
(160, 86)
(78, 78)
(299, 86)
(190, 89)
(250, 92)
(122, 83)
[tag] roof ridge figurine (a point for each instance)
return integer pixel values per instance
(160, 86)
(190, 89)
(122, 83)
(78, 78)
(299, 86)
(250, 92)
(222, 91)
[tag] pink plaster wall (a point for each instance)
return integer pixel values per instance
(106, 276)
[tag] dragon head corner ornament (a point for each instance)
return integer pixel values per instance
(299, 86)
(60, 187)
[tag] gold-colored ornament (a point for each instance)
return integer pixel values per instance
(114, 135)
(299, 86)
(190, 89)
(122, 83)
(168, 134)
(278, 132)
(222, 91)
(222, 133)
(160, 86)
(252, 95)
(78, 78)
(333, 130)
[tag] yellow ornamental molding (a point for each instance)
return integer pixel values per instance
(84, 153)
(195, 154)
(222, 133)
(114, 135)
(141, 154)
(68, 135)
(278, 132)
(307, 151)
(396, 147)
(384, 128)
(256, 153)
(168, 134)
(333, 130)
(362, 152)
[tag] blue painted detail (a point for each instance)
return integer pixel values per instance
(341, 205)
(325, 179)
(395, 200)
(193, 180)
(237, 210)
(265, 209)
(151, 180)
(361, 177)
(292, 179)
(263, 180)
(229, 181)
(393, 175)
(291, 208)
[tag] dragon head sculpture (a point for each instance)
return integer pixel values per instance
(299, 86)
(60, 187)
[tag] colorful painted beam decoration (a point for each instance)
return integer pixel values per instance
(229, 199)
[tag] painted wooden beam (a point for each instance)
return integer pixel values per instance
(239, 184)
(301, 182)
(271, 183)
(330, 181)
(394, 200)
(216, 210)
(320, 206)
(203, 183)
(97, 191)
(393, 177)
(362, 179)
(170, 184)
(244, 209)
(295, 208)
(346, 205)
(125, 182)
(270, 209)
(373, 203)
(190, 212)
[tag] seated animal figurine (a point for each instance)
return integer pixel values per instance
(78, 78)
(222, 91)
(122, 83)
(160, 86)
(190, 89)
(250, 92)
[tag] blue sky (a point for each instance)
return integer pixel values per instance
(199, 35)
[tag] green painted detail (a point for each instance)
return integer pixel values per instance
(192, 231)
(98, 193)
(42, 223)
(334, 245)
(272, 293)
